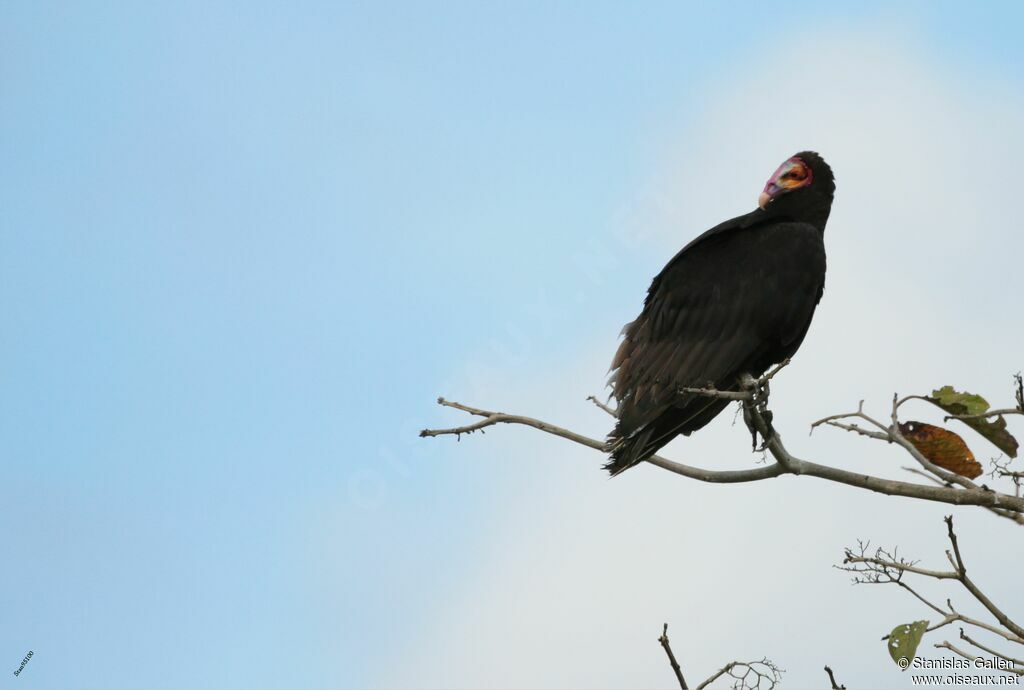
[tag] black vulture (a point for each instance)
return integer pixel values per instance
(734, 301)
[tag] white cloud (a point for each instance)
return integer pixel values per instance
(580, 572)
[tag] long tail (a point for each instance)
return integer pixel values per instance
(627, 451)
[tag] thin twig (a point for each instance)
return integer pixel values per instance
(602, 406)
(902, 567)
(957, 617)
(832, 679)
(856, 429)
(716, 393)
(946, 644)
(859, 414)
(672, 657)
(1017, 663)
(743, 396)
(741, 671)
(773, 371)
(885, 567)
(1001, 512)
(969, 585)
(983, 415)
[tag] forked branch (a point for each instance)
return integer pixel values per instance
(785, 462)
(746, 675)
(885, 567)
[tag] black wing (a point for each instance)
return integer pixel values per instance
(735, 300)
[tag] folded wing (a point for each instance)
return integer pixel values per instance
(735, 300)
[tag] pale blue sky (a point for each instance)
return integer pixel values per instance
(245, 246)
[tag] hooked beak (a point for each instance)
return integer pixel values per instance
(770, 191)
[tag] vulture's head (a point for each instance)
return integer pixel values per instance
(806, 172)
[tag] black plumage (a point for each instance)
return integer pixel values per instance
(734, 301)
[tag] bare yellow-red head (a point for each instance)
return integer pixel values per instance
(795, 173)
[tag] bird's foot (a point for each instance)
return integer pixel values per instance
(751, 422)
(755, 409)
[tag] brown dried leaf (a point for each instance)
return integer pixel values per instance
(943, 447)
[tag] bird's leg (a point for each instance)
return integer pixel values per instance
(748, 419)
(748, 384)
(758, 403)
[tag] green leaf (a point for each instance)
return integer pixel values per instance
(903, 642)
(994, 429)
(968, 403)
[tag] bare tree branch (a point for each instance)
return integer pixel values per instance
(888, 567)
(892, 434)
(969, 585)
(956, 650)
(715, 393)
(854, 428)
(883, 564)
(983, 415)
(492, 418)
(833, 681)
(1001, 468)
(1018, 665)
(601, 405)
(1001, 512)
(833, 420)
(774, 370)
(786, 463)
(749, 675)
(879, 567)
(672, 657)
